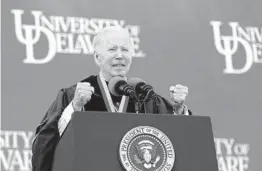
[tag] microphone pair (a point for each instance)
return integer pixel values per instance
(134, 87)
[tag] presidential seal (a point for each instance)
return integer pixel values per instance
(146, 148)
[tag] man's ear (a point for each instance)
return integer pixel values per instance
(96, 56)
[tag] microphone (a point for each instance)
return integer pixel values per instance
(118, 86)
(140, 86)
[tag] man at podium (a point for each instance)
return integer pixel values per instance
(113, 51)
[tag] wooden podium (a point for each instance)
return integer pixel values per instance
(92, 140)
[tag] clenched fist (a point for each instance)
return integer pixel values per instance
(83, 95)
(178, 94)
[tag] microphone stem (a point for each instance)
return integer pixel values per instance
(137, 107)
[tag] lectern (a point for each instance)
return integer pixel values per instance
(99, 141)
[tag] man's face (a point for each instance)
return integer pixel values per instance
(115, 54)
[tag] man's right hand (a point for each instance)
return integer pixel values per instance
(83, 95)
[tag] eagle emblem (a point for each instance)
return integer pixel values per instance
(146, 154)
(146, 148)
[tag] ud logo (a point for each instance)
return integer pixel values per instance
(249, 38)
(64, 35)
(146, 148)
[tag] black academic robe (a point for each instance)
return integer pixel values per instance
(47, 134)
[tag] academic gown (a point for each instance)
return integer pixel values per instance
(47, 134)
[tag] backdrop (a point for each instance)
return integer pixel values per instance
(212, 46)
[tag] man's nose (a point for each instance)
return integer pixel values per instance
(119, 54)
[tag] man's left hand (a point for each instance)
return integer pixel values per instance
(178, 94)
